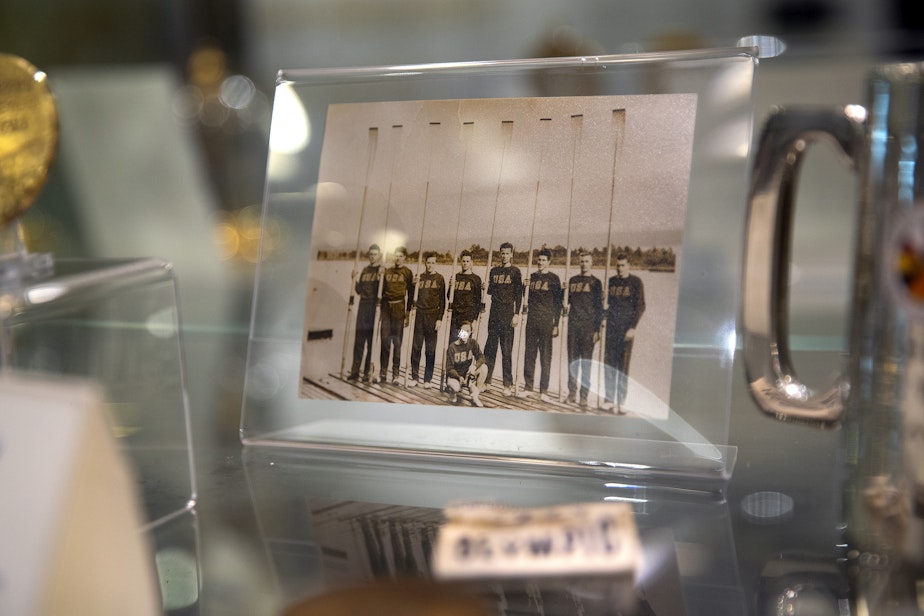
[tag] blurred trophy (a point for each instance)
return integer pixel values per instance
(28, 144)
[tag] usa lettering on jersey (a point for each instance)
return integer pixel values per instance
(620, 291)
(459, 357)
(429, 283)
(394, 277)
(463, 285)
(502, 279)
(369, 277)
(579, 287)
(539, 285)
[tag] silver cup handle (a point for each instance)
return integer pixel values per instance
(783, 144)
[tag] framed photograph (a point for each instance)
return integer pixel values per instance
(533, 227)
(525, 261)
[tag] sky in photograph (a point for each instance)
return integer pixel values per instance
(443, 175)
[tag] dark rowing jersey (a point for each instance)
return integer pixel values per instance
(367, 285)
(398, 286)
(431, 293)
(625, 302)
(505, 286)
(460, 355)
(466, 294)
(585, 301)
(545, 294)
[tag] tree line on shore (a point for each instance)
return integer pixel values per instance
(655, 259)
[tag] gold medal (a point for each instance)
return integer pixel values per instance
(28, 135)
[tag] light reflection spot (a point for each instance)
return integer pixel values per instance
(767, 507)
(162, 324)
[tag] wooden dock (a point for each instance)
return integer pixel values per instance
(332, 387)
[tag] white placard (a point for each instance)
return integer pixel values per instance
(486, 541)
(70, 520)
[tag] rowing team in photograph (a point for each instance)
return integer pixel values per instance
(589, 311)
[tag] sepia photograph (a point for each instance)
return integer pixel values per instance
(519, 254)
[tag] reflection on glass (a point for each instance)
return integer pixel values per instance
(290, 132)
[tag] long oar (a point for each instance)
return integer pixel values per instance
(467, 130)
(507, 135)
(372, 144)
(619, 126)
(520, 336)
(577, 127)
(423, 223)
(396, 154)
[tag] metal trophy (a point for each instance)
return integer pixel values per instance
(28, 135)
(28, 145)
(879, 400)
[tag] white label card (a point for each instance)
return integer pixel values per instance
(70, 521)
(485, 541)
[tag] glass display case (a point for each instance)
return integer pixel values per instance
(115, 322)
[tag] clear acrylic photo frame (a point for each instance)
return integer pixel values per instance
(691, 445)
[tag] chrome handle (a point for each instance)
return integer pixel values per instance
(783, 144)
